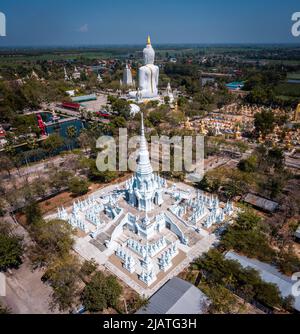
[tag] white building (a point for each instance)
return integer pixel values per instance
(76, 75)
(127, 77)
(145, 230)
(145, 189)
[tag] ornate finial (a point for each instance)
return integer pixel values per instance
(142, 125)
(149, 40)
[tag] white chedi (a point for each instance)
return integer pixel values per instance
(169, 93)
(127, 77)
(99, 78)
(148, 76)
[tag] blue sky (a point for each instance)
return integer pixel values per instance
(98, 22)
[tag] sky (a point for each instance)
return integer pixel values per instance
(126, 22)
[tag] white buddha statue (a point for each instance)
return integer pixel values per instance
(148, 75)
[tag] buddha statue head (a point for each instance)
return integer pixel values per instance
(149, 53)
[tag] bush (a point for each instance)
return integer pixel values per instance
(52, 239)
(248, 237)
(101, 292)
(246, 282)
(249, 165)
(33, 213)
(11, 250)
(78, 187)
(62, 275)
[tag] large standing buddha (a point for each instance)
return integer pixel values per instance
(148, 76)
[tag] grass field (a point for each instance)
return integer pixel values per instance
(294, 76)
(54, 57)
(286, 89)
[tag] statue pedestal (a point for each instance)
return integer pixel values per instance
(143, 100)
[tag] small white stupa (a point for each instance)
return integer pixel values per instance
(127, 77)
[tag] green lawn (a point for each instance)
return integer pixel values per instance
(294, 76)
(286, 89)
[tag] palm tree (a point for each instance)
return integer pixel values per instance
(32, 143)
(71, 133)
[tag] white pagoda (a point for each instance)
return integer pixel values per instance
(76, 75)
(145, 189)
(127, 77)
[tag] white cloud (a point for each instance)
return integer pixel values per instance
(84, 28)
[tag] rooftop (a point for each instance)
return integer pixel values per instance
(84, 98)
(269, 274)
(177, 297)
(261, 203)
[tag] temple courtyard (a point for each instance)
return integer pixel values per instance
(106, 233)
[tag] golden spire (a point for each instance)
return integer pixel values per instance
(148, 40)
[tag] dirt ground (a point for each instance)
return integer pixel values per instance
(26, 293)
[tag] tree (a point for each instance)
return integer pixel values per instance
(248, 236)
(59, 179)
(264, 122)
(276, 158)
(6, 164)
(53, 143)
(96, 175)
(11, 249)
(249, 165)
(2, 208)
(274, 186)
(52, 238)
(118, 122)
(9, 149)
(113, 291)
(136, 303)
(229, 274)
(167, 99)
(32, 143)
(223, 301)
(122, 107)
(4, 310)
(88, 268)
(85, 140)
(268, 294)
(156, 117)
(289, 262)
(248, 220)
(101, 292)
(72, 134)
(78, 186)
(33, 213)
(62, 275)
